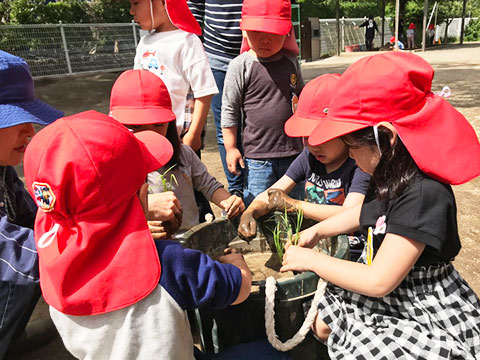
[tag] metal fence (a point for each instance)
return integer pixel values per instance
(60, 49)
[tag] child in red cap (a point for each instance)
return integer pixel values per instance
(407, 301)
(140, 101)
(173, 52)
(113, 292)
(331, 177)
(260, 93)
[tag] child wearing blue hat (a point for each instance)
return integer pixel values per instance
(19, 290)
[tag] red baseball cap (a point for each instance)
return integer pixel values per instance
(312, 105)
(140, 97)
(411, 26)
(271, 16)
(180, 15)
(96, 253)
(396, 87)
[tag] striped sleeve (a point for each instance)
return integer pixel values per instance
(221, 26)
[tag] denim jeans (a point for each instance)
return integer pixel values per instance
(16, 305)
(234, 182)
(263, 173)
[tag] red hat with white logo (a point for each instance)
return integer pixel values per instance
(312, 105)
(139, 97)
(96, 253)
(180, 15)
(396, 87)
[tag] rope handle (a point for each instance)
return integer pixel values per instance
(270, 289)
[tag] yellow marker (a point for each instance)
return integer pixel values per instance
(370, 246)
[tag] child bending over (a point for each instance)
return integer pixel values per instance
(331, 177)
(407, 301)
(113, 292)
(140, 101)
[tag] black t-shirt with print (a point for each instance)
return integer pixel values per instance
(425, 212)
(323, 188)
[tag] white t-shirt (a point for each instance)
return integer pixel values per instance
(179, 59)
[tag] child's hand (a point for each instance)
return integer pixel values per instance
(297, 259)
(193, 140)
(157, 230)
(279, 200)
(233, 206)
(247, 229)
(233, 157)
(233, 256)
(308, 238)
(164, 206)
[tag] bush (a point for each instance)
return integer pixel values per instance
(37, 12)
(472, 31)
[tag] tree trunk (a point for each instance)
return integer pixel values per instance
(445, 37)
(462, 29)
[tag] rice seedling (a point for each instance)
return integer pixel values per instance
(283, 231)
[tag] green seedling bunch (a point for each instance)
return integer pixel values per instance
(167, 185)
(283, 231)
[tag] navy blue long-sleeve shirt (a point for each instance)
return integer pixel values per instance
(18, 256)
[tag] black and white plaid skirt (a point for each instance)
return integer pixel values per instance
(432, 314)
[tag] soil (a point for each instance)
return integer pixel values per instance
(456, 66)
(264, 265)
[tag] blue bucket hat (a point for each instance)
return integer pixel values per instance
(18, 104)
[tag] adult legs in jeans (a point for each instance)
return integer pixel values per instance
(235, 183)
(263, 173)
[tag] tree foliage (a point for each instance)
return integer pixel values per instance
(472, 32)
(67, 11)
(411, 10)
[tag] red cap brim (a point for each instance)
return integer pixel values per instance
(261, 23)
(158, 149)
(298, 126)
(328, 129)
(141, 116)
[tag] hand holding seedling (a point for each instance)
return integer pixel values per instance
(297, 258)
(308, 238)
(164, 207)
(233, 206)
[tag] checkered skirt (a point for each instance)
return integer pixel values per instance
(433, 314)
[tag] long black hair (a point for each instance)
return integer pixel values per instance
(396, 168)
(174, 139)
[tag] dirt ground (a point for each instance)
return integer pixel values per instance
(455, 66)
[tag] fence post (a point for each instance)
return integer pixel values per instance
(64, 41)
(134, 33)
(343, 33)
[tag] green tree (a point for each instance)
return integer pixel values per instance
(111, 11)
(37, 12)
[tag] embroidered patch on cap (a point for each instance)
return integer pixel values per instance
(44, 196)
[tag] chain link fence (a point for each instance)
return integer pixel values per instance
(349, 34)
(60, 49)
